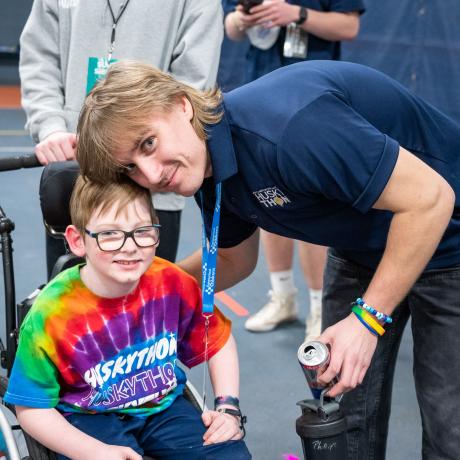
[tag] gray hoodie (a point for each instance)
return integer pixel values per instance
(182, 37)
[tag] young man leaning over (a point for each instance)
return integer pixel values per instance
(96, 372)
(331, 153)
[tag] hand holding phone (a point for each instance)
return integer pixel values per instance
(248, 4)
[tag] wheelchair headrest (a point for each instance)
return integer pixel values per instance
(56, 185)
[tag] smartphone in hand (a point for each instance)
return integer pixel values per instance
(248, 4)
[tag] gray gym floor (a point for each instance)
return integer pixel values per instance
(271, 379)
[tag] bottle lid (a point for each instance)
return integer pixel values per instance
(311, 425)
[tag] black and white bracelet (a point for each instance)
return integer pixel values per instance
(235, 413)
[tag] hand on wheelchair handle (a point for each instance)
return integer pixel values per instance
(221, 427)
(58, 146)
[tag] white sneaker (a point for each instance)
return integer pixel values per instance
(313, 326)
(279, 309)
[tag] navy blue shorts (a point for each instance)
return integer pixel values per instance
(174, 434)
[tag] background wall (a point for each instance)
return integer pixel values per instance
(417, 42)
(13, 16)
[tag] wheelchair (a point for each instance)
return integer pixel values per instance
(56, 185)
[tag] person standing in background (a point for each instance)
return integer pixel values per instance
(66, 46)
(282, 33)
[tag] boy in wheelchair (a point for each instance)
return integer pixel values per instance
(95, 375)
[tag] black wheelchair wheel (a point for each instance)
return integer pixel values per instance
(36, 450)
(3, 386)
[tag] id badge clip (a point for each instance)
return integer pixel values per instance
(295, 42)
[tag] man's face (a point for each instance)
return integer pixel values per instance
(167, 156)
(116, 273)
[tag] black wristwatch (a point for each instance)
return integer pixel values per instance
(303, 15)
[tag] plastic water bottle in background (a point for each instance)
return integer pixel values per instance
(263, 37)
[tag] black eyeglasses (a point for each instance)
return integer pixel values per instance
(113, 240)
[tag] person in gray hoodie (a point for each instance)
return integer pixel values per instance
(66, 46)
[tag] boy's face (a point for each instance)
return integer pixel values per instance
(168, 156)
(116, 273)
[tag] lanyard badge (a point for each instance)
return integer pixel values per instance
(209, 256)
(295, 42)
(98, 66)
(97, 70)
(208, 275)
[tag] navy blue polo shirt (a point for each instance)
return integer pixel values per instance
(261, 62)
(305, 152)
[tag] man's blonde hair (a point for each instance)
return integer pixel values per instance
(89, 196)
(123, 102)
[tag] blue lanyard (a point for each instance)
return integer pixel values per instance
(209, 257)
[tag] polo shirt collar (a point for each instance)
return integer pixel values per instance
(220, 147)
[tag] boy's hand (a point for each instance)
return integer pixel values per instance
(111, 452)
(222, 427)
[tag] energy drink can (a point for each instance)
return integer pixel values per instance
(314, 358)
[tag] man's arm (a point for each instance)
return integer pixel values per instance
(42, 84)
(197, 51)
(233, 264)
(422, 202)
(52, 430)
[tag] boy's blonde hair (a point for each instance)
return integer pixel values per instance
(123, 102)
(88, 197)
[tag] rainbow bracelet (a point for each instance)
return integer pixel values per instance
(366, 318)
(379, 315)
(365, 324)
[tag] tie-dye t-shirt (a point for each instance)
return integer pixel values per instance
(82, 353)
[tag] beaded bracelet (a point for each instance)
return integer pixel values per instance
(379, 315)
(368, 319)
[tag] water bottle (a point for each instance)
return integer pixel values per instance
(263, 37)
(322, 429)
